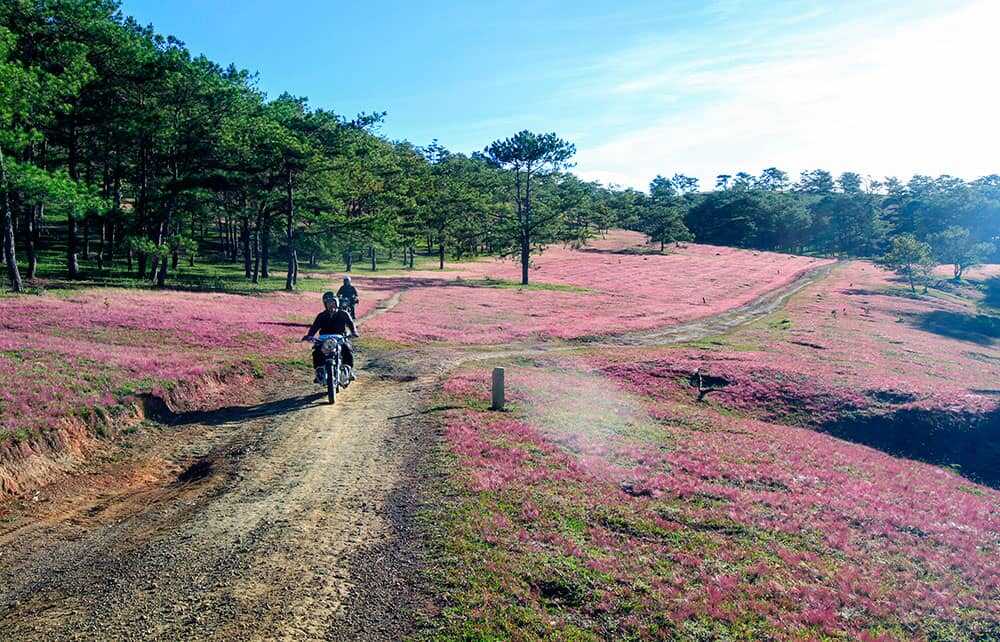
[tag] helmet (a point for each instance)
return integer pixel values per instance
(347, 279)
(329, 296)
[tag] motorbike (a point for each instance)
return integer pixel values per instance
(337, 378)
(347, 303)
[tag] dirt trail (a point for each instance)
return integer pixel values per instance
(291, 519)
(722, 323)
(249, 541)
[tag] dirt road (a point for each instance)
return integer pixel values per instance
(291, 519)
(254, 536)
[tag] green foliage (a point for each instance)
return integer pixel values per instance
(749, 218)
(909, 257)
(527, 157)
(123, 151)
(956, 246)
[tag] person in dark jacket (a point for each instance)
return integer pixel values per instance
(349, 293)
(332, 320)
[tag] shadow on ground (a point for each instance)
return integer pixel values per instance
(981, 329)
(230, 414)
(967, 442)
(992, 289)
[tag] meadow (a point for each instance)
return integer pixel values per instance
(75, 350)
(822, 472)
(614, 285)
(632, 511)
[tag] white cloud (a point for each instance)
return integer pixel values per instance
(921, 98)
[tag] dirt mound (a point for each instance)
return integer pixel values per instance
(26, 465)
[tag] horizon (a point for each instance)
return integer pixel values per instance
(734, 86)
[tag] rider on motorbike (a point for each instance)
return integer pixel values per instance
(332, 320)
(349, 293)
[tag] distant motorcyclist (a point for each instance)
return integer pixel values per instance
(349, 293)
(332, 320)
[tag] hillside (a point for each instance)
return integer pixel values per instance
(700, 444)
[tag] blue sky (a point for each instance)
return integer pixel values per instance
(883, 87)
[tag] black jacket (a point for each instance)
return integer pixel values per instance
(337, 323)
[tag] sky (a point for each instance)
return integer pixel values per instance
(641, 87)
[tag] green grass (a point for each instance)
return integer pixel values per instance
(206, 275)
(719, 342)
(488, 282)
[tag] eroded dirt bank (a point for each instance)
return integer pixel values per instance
(238, 523)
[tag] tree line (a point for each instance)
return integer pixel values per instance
(948, 219)
(121, 150)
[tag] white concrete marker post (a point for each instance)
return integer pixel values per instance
(498, 399)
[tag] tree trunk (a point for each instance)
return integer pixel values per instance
(140, 210)
(72, 265)
(112, 243)
(9, 255)
(161, 274)
(100, 245)
(348, 259)
(167, 231)
(86, 238)
(525, 257)
(234, 243)
(154, 270)
(30, 221)
(245, 238)
(411, 256)
(312, 260)
(374, 264)
(8, 247)
(290, 238)
(265, 250)
(526, 227)
(441, 255)
(256, 255)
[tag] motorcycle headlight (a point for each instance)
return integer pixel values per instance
(330, 346)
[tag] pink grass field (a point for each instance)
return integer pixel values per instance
(860, 331)
(60, 355)
(975, 273)
(94, 348)
(698, 524)
(599, 290)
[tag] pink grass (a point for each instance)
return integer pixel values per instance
(60, 355)
(759, 524)
(613, 292)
